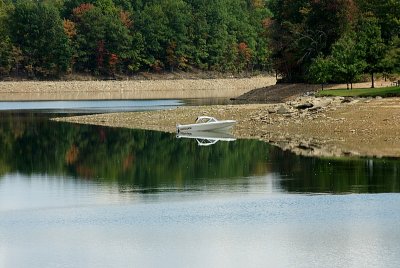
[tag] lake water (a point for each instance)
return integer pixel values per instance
(85, 196)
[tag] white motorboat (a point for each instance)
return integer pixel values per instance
(207, 123)
(206, 138)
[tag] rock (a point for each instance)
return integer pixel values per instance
(347, 100)
(305, 105)
(284, 110)
(322, 103)
(315, 108)
(309, 93)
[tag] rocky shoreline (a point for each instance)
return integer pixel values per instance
(329, 127)
(131, 89)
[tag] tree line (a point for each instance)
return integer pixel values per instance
(106, 37)
(334, 40)
(317, 41)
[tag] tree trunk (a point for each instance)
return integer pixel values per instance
(322, 85)
(372, 79)
(347, 85)
(351, 84)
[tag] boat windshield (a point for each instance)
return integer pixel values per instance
(205, 119)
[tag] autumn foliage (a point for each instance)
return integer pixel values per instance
(69, 28)
(110, 37)
(82, 9)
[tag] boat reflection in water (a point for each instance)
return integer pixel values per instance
(206, 138)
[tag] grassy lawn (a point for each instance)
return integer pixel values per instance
(362, 92)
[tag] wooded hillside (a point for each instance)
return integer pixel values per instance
(46, 38)
(312, 40)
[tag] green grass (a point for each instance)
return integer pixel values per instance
(362, 92)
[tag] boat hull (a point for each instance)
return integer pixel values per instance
(220, 126)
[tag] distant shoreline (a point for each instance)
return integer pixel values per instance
(131, 89)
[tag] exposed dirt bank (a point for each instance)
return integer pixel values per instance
(132, 89)
(284, 92)
(308, 126)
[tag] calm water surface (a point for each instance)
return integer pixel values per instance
(85, 196)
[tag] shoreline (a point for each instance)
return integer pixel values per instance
(131, 89)
(331, 127)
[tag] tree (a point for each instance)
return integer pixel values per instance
(114, 36)
(37, 29)
(259, 16)
(301, 30)
(387, 14)
(244, 57)
(220, 45)
(369, 34)
(391, 61)
(102, 37)
(5, 41)
(153, 26)
(179, 45)
(348, 58)
(320, 70)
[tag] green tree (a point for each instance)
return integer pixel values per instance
(102, 41)
(37, 29)
(220, 45)
(301, 30)
(387, 14)
(178, 40)
(112, 36)
(320, 70)
(259, 17)
(153, 26)
(391, 60)
(369, 34)
(5, 40)
(348, 58)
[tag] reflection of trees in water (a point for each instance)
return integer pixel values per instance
(132, 157)
(307, 174)
(147, 159)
